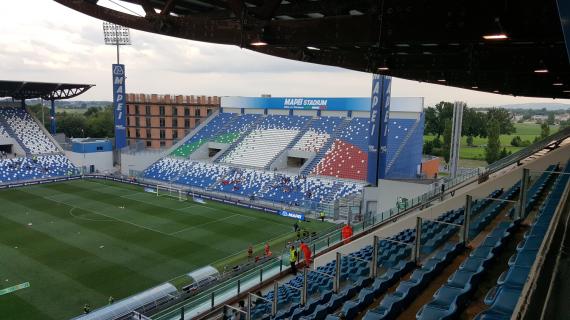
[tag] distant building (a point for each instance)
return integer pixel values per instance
(159, 121)
(562, 117)
(539, 118)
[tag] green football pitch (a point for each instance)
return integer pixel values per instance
(82, 241)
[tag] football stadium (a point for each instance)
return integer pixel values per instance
(292, 207)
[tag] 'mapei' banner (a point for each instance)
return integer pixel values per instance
(119, 105)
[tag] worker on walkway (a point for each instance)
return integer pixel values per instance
(346, 233)
(249, 252)
(306, 253)
(267, 250)
(322, 216)
(293, 259)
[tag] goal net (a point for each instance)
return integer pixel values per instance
(169, 191)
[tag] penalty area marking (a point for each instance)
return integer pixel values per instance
(88, 219)
(113, 218)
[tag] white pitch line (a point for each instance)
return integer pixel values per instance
(110, 217)
(207, 223)
(83, 218)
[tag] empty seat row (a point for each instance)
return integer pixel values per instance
(39, 167)
(503, 298)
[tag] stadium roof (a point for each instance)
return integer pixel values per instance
(45, 90)
(430, 41)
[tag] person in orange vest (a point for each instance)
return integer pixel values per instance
(306, 253)
(346, 233)
(267, 250)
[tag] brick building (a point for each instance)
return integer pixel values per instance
(160, 121)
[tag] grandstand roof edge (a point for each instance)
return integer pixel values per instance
(46, 90)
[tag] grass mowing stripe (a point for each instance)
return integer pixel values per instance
(207, 223)
(81, 265)
(154, 215)
(153, 256)
(109, 217)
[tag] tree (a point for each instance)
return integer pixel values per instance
(100, 124)
(446, 148)
(435, 118)
(544, 130)
(72, 124)
(516, 141)
(493, 149)
(504, 153)
(91, 111)
(470, 141)
(428, 147)
(550, 119)
(504, 118)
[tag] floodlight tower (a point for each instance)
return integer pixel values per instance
(118, 36)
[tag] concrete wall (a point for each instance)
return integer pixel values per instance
(16, 148)
(361, 114)
(325, 113)
(232, 110)
(305, 113)
(278, 112)
(502, 179)
(103, 161)
(202, 153)
(387, 192)
(139, 161)
(281, 161)
(254, 111)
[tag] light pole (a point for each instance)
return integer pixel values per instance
(116, 35)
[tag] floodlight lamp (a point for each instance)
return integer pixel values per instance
(115, 34)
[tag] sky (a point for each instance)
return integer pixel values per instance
(42, 40)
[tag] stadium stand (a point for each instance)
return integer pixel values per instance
(268, 139)
(186, 172)
(21, 126)
(265, 185)
(318, 134)
(502, 299)
(393, 258)
(348, 156)
(359, 291)
(42, 159)
(451, 298)
(40, 167)
(339, 146)
(202, 136)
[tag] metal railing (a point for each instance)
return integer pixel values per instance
(528, 151)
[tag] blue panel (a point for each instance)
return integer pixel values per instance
(378, 133)
(405, 164)
(385, 112)
(119, 105)
(332, 104)
(92, 147)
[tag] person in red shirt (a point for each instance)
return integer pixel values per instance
(346, 233)
(306, 253)
(267, 250)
